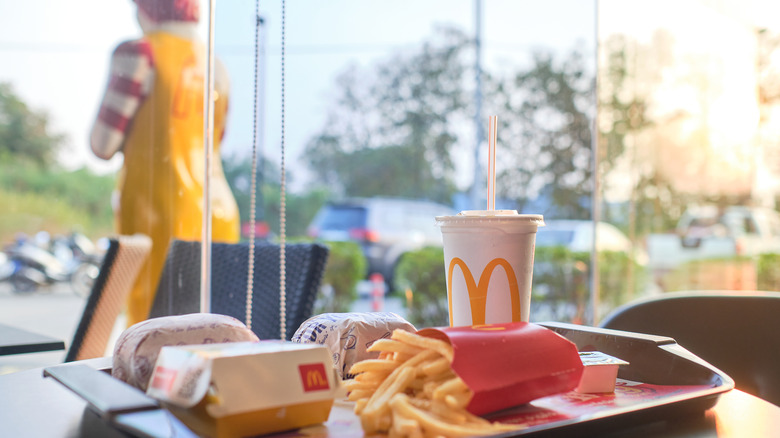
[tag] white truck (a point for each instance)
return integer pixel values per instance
(708, 232)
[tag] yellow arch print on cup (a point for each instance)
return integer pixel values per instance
(478, 291)
(489, 328)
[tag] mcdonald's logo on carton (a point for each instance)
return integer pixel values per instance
(163, 378)
(313, 377)
(246, 388)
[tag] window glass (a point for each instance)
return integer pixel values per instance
(378, 102)
(687, 148)
(385, 103)
(101, 133)
(381, 102)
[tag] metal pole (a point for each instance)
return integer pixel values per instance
(260, 77)
(479, 131)
(594, 255)
(208, 140)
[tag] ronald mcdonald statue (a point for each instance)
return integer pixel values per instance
(152, 112)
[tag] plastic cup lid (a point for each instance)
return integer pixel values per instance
(470, 217)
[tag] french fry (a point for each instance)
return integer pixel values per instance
(429, 422)
(439, 366)
(452, 386)
(393, 346)
(372, 417)
(445, 412)
(373, 365)
(374, 377)
(458, 401)
(360, 405)
(437, 345)
(406, 427)
(355, 395)
(355, 385)
(411, 391)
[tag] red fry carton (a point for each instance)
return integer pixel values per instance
(510, 364)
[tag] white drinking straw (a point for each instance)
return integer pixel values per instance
(491, 174)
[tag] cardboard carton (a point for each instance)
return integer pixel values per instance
(246, 388)
(510, 364)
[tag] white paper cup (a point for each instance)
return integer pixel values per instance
(489, 260)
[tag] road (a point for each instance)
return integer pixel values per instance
(57, 311)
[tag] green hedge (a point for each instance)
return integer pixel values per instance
(768, 272)
(561, 282)
(30, 213)
(420, 277)
(54, 200)
(560, 285)
(345, 268)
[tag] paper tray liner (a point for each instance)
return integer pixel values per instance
(510, 364)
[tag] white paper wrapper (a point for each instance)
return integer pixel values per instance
(136, 350)
(348, 335)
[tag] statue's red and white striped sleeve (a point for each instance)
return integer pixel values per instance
(130, 81)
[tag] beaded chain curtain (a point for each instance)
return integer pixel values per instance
(205, 291)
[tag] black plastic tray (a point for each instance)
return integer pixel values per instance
(653, 360)
(684, 385)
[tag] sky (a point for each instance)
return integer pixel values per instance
(55, 54)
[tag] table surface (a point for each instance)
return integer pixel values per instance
(34, 406)
(18, 341)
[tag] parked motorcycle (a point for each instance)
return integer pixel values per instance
(6, 267)
(36, 266)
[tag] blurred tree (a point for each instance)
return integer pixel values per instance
(392, 129)
(397, 128)
(301, 208)
(24, 133)
(629, 77)
(768, 66)
(547, 134)
(238, 173)
(36, 193)
(768, 79)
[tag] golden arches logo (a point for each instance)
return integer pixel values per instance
(488, 328)
(478, 291)
(315, 379)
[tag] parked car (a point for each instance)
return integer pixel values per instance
(385, 228)
(708, 232)
(561, 281)
(577, 236)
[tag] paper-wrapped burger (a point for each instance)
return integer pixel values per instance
(348, 335)
(136, 349)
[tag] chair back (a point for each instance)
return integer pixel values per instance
(737, 332)
(123, 259)
(179, 289)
